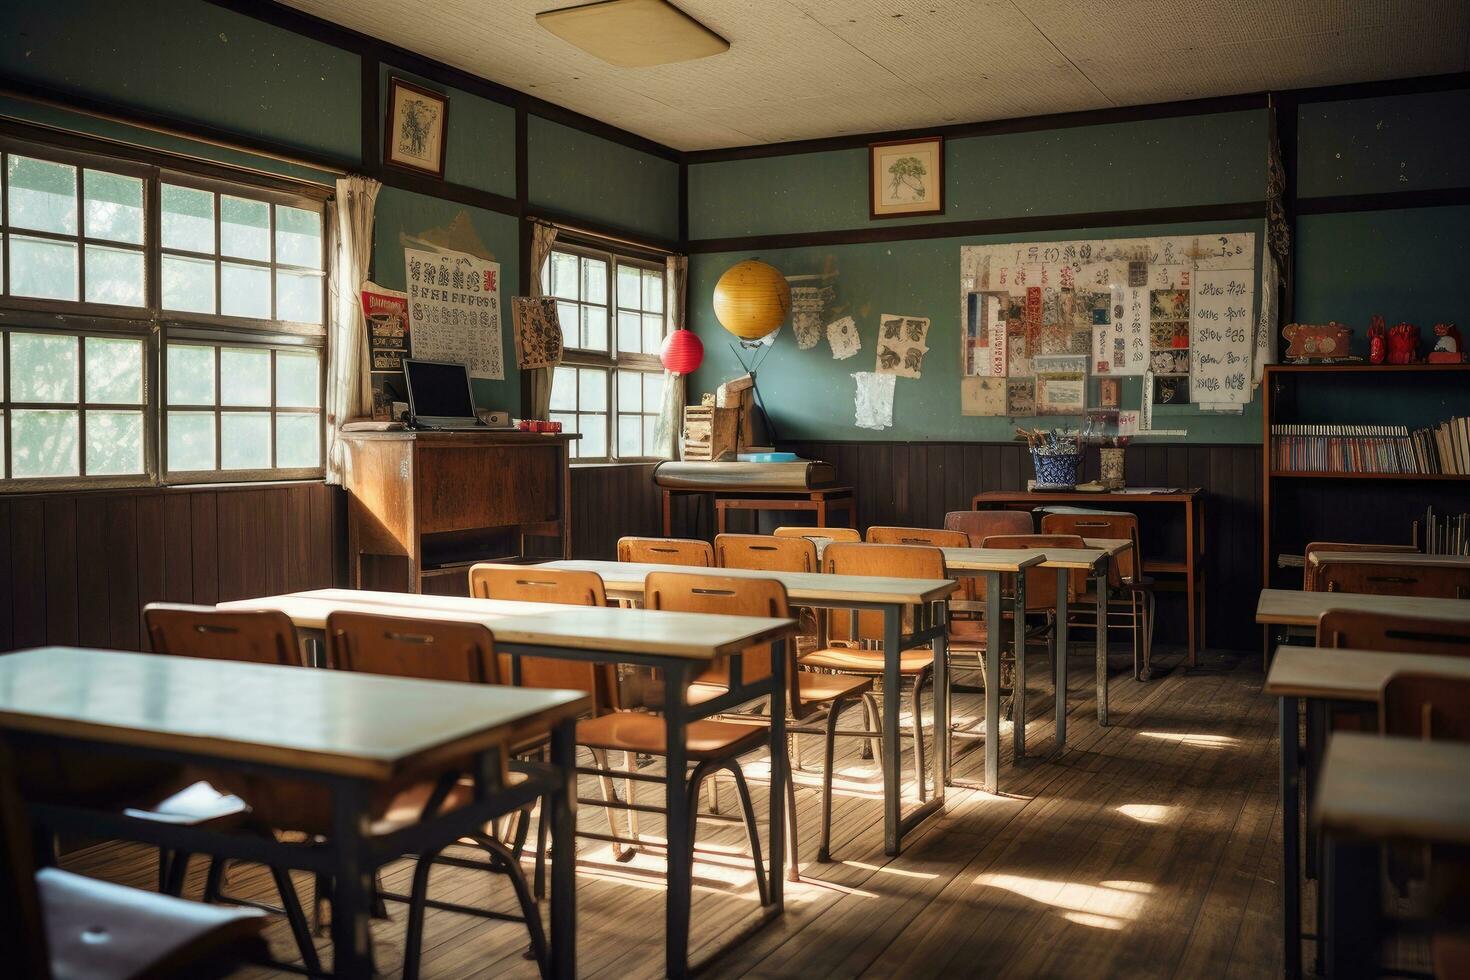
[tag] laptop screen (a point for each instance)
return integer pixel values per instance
(438, 390)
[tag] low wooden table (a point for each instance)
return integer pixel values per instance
(819, 501)
(312, 725)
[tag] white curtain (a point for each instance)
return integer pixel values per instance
(349, 377)
(671, 413)
(543, 237)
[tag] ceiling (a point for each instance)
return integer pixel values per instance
(801, 69)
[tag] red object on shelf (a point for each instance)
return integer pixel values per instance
(1403, 344)
(538, 425)
(682, 352)
(1376, 333)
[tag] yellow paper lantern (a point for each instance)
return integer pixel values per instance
(752, 299)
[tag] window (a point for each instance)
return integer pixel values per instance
(113, 273)
(609, 387)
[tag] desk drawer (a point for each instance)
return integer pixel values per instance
(487, 486)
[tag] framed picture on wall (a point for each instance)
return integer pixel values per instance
(417, 128)
(906, 177)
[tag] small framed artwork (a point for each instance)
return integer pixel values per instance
(906, 177)
(1109, 392)
(417, 129)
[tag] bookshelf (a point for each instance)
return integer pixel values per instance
(1299, 506)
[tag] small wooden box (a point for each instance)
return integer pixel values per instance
(710, 432)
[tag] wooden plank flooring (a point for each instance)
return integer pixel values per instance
(1148, 849)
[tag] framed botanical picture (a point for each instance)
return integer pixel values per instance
(417, 129)
(906, 177)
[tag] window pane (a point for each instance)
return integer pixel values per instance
(244, 377)
(564, 388)
(43, 268)
(43, 368)
(629, 432)
(629, 287)
(190, 375)
(649, 449)
(114, 443)
(653, 332)
(190, 441)
(568, 424)
(594, 436)
(298, 376)
(653, 291)
(114, 372)
(594, 327)
(592, 390)
(594, 281)
(43, 195)
(245, 441)
(244, 228)
(188, 284)
(298, 237)
(188, 219)
(630, 392)
(114, 275)
(43, 443)
(566, 315)
(630, 332)
(114, 206)
(244, 290)
(653, 391)
(298, 297)
(298, 440)
(562, 276)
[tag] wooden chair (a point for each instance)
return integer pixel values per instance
(1041, 587)
(1443, 582)
(819, 533)
(437, 650)
(1309, 571)
(1354, 629)
(814, 700)
(924, 536)
(766, 554)
(666, 551)
(866, 630)
(1125, 572)
(981, 524)
(206, 633)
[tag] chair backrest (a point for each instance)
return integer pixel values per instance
(1309, 571)
(262, 637)
(1427, 706)
(676, 592)
(1355, 629)
(22, 925)
(886, 561)
(1122, 527)
(826, 533)
(930, 537)
(532, 583)
(1041, 583)
(981, 524)
(666, 551)
(765, 553)
(1383, 578)
(427, 649)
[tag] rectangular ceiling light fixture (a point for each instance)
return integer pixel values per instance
(633, 33)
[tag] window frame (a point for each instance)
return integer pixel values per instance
(150, 322)
(612, 361)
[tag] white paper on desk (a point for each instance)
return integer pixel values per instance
(873, 401)
(843, 337)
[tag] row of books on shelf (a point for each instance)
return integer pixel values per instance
(1441, 450)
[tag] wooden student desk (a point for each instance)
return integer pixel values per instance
(310, 724)
(1191, 504)
(819, 502)
(1288, 607)
(681, 645)
(1410, 558)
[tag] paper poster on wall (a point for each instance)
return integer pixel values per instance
(385, 312)
(901, 345)
(454, 310)
(983, 339)
(983, 396)
(537, 332)
(842, 337)
(808, 312)
(1224, 342)
(1061, 384)
(873, 400)
(1020, 397)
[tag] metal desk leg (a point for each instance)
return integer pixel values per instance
(892, 697)
(992, 682)
(1350, 896)
(779, 775)
(1059, 678)
(1018, 689)
(941, 703)
(1291, 895)
(1102, 644)
(352, 886)
(564, 846)
(680, 894)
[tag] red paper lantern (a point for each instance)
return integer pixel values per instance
(682, 352)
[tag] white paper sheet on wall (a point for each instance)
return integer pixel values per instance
(873, 400)
(454, 310)
(1223, 340)
(843, 337)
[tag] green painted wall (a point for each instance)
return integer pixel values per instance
(402, 213)
(191, 61)
(481, 149)
(584, 175)
(1395, 143)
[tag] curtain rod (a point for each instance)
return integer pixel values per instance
(602, 236)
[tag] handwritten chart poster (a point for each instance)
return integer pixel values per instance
(454, 310)
(1220, 360)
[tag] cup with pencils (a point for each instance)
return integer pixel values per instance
(1056, 454)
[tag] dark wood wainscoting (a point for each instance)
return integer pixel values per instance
(77, 568)
(609, 502)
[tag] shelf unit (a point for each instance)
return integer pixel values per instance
(1308, 505)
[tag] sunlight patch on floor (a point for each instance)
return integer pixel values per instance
(1147, 812)
(1108, 905)
(1194, 739)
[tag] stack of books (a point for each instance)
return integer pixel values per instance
(1444, 534)
(1444, 449)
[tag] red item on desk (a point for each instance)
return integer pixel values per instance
(538, 425)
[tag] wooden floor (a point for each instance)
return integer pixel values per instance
(1147, 849)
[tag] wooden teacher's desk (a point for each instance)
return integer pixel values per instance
(819, 502)
(1191, 564)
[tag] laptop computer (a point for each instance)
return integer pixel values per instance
(439, 396)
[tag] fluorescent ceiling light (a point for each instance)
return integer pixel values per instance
(634, 33)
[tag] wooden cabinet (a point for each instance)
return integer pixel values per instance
(423, 506)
